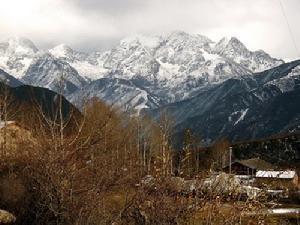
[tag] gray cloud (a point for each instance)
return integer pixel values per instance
(100, 24)
(109, 6)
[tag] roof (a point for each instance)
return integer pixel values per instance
(288, 174)
(255, 163)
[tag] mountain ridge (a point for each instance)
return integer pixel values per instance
(170, 67)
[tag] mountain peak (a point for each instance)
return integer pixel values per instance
(226, 42)
(61, 51)
(181, 35)
(236, 42)
(204, 38)
(139, 39)
(20, 45)
(231, 47)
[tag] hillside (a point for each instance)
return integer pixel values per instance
(250, 107)
(283, 151)
(30, 105)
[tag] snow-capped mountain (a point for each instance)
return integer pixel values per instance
(172, 67)
(256, 61)
(54, 74)
(175, 66)
(89, 66)
(179, 60)
(179, 55)
(16, 54)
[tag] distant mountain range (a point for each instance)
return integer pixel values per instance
(160, 69)
(215, 88)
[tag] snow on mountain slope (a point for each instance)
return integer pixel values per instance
(133, 57)
(156, 58)
(63, 51)
(9, 80)
(20, 46)
(150, 42)
(191, 62)
(173, 58)
(117, 92)
(234, 49)
(49, 72)
(16, 54)
(171, 67)
(178, 64)
(90, 66)
(287, 83)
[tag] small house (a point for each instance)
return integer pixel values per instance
(248, 167)
(277, 179)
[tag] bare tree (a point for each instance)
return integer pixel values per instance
(8, 110)
(220, 153)
(165, 125)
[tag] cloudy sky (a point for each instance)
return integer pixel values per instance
(100, 24)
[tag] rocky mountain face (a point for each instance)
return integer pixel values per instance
(9, 80)
(244, 108)
(235, 50)
(158, 70)
(117, 92)
(16, 54)
(173, 67)
(89, 66)
(52, 73)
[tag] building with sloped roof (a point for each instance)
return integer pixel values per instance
(277, 179)
(248, 166)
